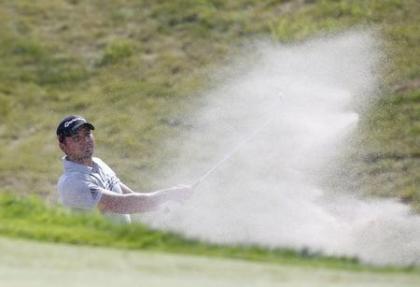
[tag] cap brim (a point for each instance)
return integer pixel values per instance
(78, 126)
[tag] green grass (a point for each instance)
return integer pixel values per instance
(68, 265)
(135, 68)
(31, 218)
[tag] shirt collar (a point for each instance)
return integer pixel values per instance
(73, 166)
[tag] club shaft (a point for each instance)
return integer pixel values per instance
(230, 154)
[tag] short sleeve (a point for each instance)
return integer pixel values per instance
(115, 181)
(78, 192)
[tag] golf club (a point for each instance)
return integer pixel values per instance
(230, 154)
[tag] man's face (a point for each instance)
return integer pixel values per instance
(80, 145)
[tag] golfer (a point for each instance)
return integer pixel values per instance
(89, 183)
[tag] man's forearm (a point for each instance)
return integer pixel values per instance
(136, 202)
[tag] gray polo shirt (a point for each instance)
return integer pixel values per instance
(79, 186)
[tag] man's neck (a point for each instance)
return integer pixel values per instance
(84, 160)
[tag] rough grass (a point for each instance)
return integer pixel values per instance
(135, 68)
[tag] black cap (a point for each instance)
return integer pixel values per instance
(70, 124)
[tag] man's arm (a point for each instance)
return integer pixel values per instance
(140, 202)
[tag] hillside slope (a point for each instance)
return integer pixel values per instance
(135, 68)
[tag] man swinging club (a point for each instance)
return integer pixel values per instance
(88, 182)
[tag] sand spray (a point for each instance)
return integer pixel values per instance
(269, 191)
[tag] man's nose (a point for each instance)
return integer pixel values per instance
(88, 138)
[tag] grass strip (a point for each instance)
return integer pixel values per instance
(32, 218)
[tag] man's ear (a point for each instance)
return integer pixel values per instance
(62, 146)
